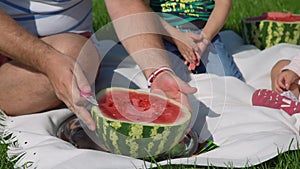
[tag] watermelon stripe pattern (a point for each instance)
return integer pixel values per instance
(264, 34)
(138, 140)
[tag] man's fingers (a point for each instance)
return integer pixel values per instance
(81, 84)
(83, 114)
(187, 89)
(81, 80)
(78, 106)
(185, 101)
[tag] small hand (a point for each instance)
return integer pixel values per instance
(285, 80)
(192, 46)
(188, 48)
(202, 44)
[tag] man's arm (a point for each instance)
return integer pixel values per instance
(140, 31)
(20, 45)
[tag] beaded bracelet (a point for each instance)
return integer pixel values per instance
(156, 72)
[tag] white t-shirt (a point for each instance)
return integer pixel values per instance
(47, 17)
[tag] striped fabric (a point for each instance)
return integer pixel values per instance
(182, 11)
(47, 17)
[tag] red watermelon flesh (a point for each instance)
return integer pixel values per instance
(139, 107)
(276, 16)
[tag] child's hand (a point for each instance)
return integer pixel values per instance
(190, 45)
(202, 43)
(187, 47)
(285, 80)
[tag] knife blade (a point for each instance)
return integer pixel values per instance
(89, 97)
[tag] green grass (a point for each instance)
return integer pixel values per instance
(249, 8)
(100, 15)
(287, 160)
(4, 163)
(241, 9)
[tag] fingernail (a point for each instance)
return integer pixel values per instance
(82, 93)
(92, 127)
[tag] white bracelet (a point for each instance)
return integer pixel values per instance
(156, 72)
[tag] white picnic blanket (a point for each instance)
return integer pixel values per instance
(247, 135)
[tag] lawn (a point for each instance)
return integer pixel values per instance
(4, 163)
(249, 8)
(241, 9)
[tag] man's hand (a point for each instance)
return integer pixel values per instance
(171, 86)
(68, 79)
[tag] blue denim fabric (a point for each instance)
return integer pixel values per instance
(215, 59)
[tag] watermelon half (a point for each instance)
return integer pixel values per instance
(271, 28)
(137, 123)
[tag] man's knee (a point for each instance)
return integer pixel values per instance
(79, 48)
(68, 43)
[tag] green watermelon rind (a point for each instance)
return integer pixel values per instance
(266, 33)
(138, 140)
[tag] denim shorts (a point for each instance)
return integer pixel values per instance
(215, 59)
